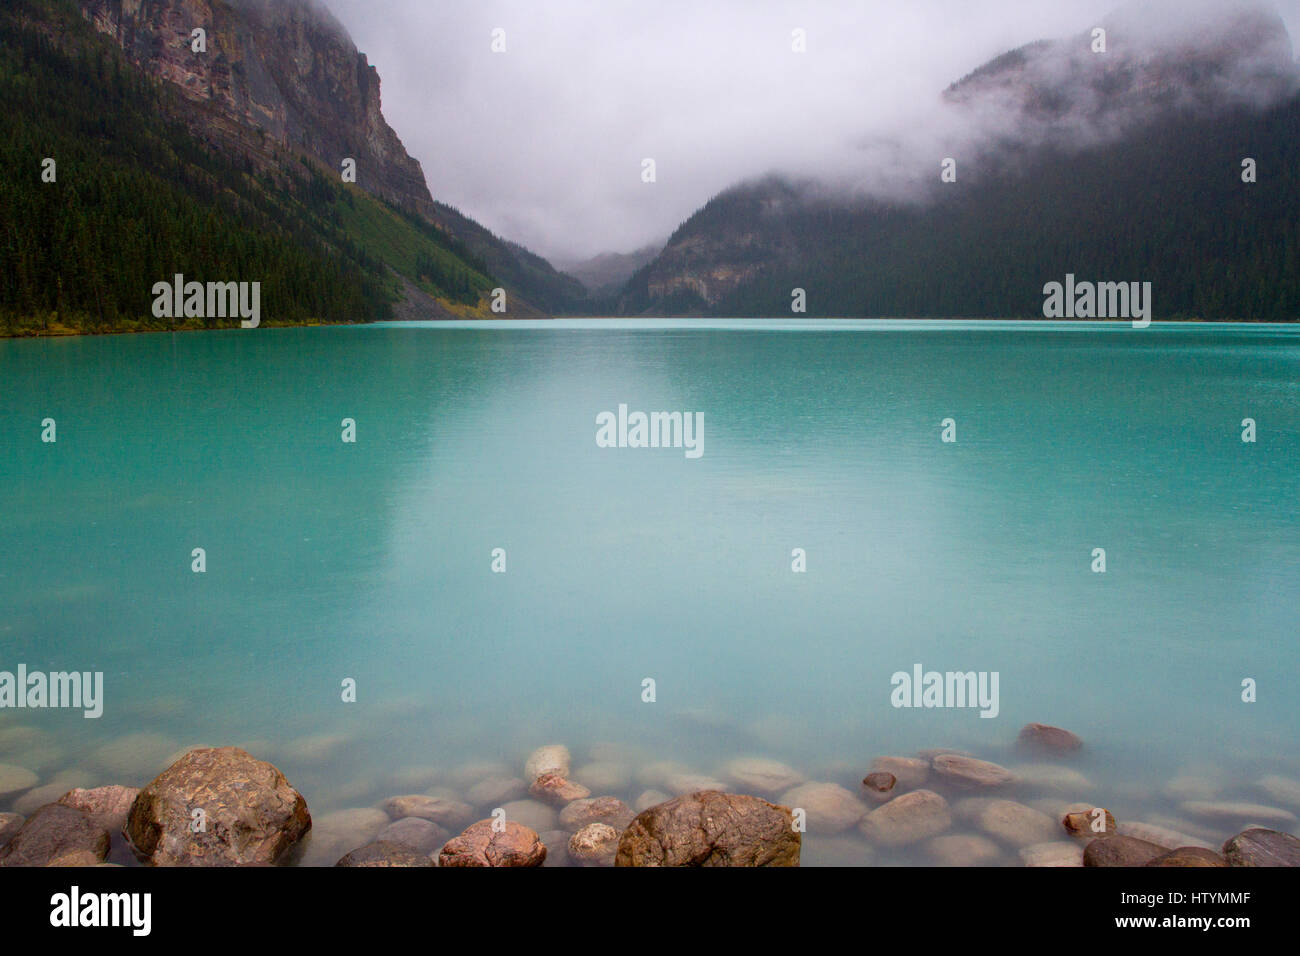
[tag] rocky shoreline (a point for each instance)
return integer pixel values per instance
(221, 806)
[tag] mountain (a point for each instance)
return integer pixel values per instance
(222, 164)
(1116, 166)
(606, 274)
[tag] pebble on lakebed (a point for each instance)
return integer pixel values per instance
(623, 807)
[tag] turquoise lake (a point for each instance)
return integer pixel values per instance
(372, 560)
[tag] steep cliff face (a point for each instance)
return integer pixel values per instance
(282, 71)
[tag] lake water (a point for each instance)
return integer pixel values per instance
(372, 560)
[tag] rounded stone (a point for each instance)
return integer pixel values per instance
(964, 771)
(489, 844)
(608, 810)
(420, 835)
(108, 806)
(908, 818)
(1057, 853)
(252, 815)
(879, 782)
(14, 779)
(711, 828)
(443, 811)
(1262, 847)
(762, 775)
(1120, 850)
(963, 849)
(381, 853)
(595, 844)
(553, 758)
(829, 807)
(54, 832)
(1048, 739)
(604, 776)
(910, 772)
(536, 816)
(650, 798)
(555, 789)
(1016, 824)
(1189, 856)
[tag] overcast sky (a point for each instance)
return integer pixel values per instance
(543, 143)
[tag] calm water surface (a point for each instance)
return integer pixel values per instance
(372, 560)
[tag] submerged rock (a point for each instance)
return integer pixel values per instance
(107, 806)
(443, 811)
(252, 815)
(879, 782)
(1056, 853)
(596, 844)
(971, 772)
(422, 836)
(1048, 739)
(1189, 856)
(1052, 778)
(1237, 812)
(381, 853)
(555, 789)
(829, 807)
(963, 849)
(10, 823)
(909, 818)
(553, 758)
(1016, 824)
(55, 833)
(1162, 836)
(910, 772)
(711, 828)
(604, 776)
(1284, 790)
(1120, 850)
(1260, 847)
(650, 798)
(536, 816)
(482, 844)
(494, 791)
(15, 779)
(762, 775)
(608, 810)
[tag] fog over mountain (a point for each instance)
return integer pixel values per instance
(543, 143)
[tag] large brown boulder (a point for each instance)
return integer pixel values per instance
(483, 844)
(1260, 847)
(251, 815)
(54, 833)
(711, 828)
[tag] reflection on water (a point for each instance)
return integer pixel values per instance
(328, 560)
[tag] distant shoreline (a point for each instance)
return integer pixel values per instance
(58, 331)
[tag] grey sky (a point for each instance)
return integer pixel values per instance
(543, 143)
